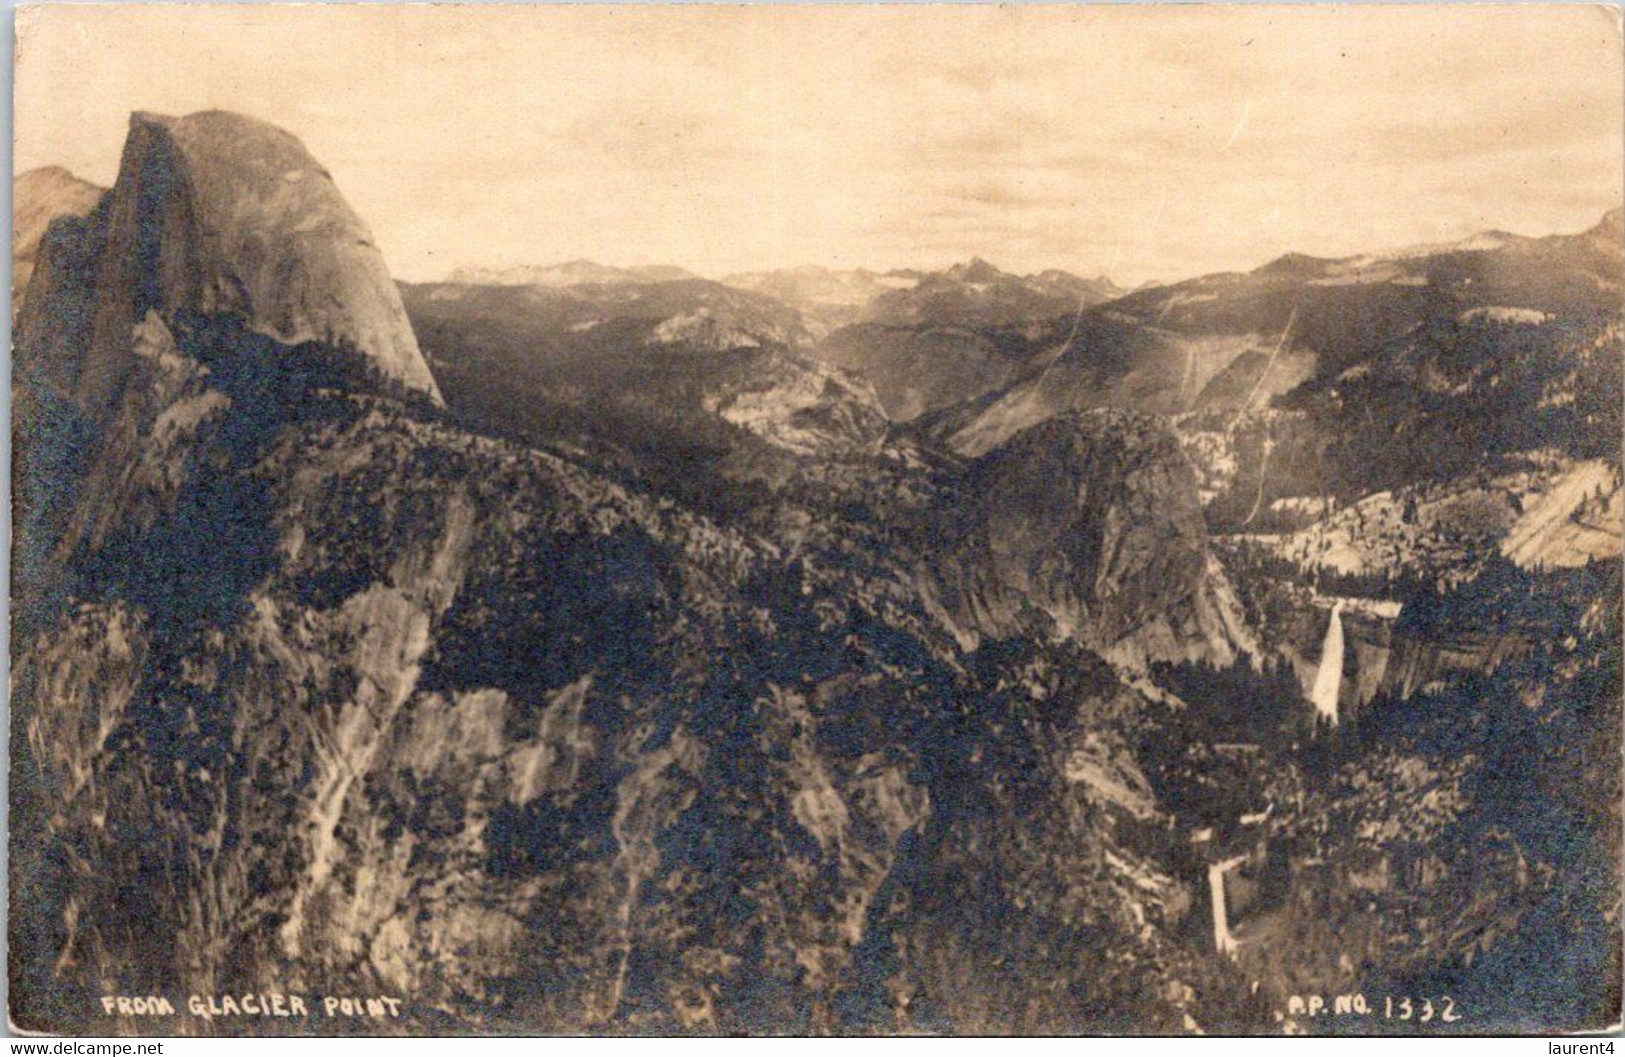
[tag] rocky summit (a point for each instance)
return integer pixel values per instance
(636, 656)
(215, 214)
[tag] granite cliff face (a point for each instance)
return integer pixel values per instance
(216, 215)
(1094, 521)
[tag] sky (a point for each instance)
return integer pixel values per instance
(1147, 143)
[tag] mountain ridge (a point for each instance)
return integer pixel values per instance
(39, 196)
(1234, 341)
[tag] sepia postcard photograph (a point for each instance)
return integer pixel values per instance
(798, 520)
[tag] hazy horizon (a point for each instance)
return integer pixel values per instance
(1146, 144)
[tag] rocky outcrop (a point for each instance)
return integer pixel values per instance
(214, 215)
(801, 407)
(1420, 663)
(1579, 518)
(1093, 523)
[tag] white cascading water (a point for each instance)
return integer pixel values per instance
(1224, 941)
(1329, 677)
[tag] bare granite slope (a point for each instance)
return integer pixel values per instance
(216, 214)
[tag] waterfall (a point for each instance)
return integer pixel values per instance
(1224, 941)
(1329, 677)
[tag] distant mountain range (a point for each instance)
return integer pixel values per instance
(954, 335)
(976, 294)
(570, 273)
(923, 339)
(826, 297)
(973, 293)
(614, 360)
